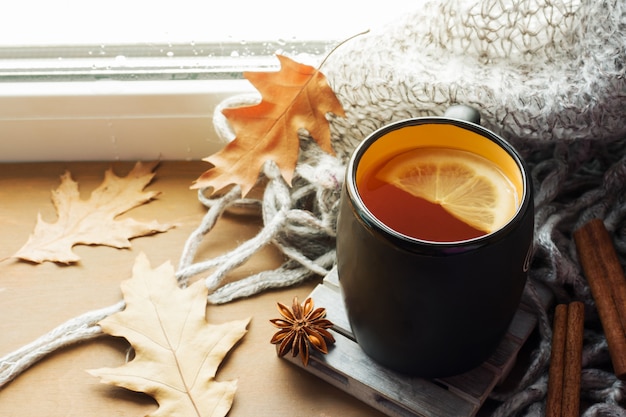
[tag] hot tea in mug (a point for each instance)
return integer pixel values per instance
(434, 237)
(441, 194)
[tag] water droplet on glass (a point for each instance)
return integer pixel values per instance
(234, 54)
(170, 54)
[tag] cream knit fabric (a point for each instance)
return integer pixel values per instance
(544, 70)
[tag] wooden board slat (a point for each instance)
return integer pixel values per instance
(347, 367)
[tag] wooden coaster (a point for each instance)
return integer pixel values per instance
(347, 367)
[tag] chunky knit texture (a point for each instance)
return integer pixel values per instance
(537, 70)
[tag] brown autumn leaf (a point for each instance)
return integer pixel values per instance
(177, 352)
(92, 221)
(296, 97)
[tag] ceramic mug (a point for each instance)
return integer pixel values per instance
(420, 306)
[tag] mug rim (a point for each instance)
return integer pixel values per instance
(412, 243)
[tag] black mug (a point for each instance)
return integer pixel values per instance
(430, 306)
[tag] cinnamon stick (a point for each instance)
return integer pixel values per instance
(557, 362)
(564, 374)
(572, 373)
(606, 280)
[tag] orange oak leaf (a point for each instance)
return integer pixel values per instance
(177, 352)
(296, 97)
(92, 221)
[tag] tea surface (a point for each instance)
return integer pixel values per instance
(439, 194)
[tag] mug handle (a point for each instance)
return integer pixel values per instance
(463, 112)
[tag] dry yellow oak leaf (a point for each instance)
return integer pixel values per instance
(93, 221)
(177, 352)
(296, 97)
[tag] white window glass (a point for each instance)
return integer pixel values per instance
(182, 39)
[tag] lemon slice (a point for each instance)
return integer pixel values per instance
(468, 186)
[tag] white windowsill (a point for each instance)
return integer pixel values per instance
(111, 120)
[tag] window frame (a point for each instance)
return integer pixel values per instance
(127, 102)
(112, 120)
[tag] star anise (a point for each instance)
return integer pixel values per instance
(302, 328)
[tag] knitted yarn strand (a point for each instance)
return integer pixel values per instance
(76, 330)
(286, 225)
